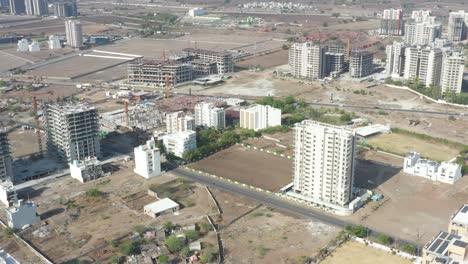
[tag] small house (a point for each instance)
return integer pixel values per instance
(163, 206)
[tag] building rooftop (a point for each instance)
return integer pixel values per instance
(161, 205)
(181, 134)
(461, 217)
(70, 108)
(371, 130)
(209, 52)
(441, 242)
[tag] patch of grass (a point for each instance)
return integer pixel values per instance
(188, 203)
(262, 251)
(94, 193)
(257, 214)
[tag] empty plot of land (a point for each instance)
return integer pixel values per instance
(266, 61)
(416, 208)
(10, 62)
(356, 253)
(266, 236)
(75, 67)
(251, 167)
(403, 144)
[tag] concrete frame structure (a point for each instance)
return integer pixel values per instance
(258, 117)
(163, 206)
(72, 131)
(446, 172)
(361, 63)
(147, 160)
(392, 22)
(207, 115)
(74, 33)
(86, 170)
(324, 163)
(395, 63)
(6, 163)
(223, 59)
(458, 26)
(180, 142)
(307, 60)
(22, 214)
(334, 63)
(452, 72)
(145, 71)
(424, 64)
(178, 122)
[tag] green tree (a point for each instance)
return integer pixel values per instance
(408, 248)
(209, 255)
(192, 235)
(185, 252)
(128, 247)
(163, 259)
(174, 244)
(94, 192)
(168, 226)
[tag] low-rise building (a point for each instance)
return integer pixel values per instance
(163, 206)
(7, 194)
(258, 117)
(23, 45)
(446, 172)
(197, 11)
(34, 47)
(22, 214)
(148, 160)
(86, 170)
(449, 247)
(54, 42)
(180, 142)
(459, 222)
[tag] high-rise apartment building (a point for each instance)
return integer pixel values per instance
(392, 22)
(74, 33)
(395, 63)
(258, 117)
(178, 122)
(36, 7)
(423, 16)
(206, 114)
(224, 61)
(72, 131)
(6, 167)
(324, 163)
(307, 60)
(65, 8)
(452, 72)
(423, 64)
(361, 63)
(458, 26)
(423, 33)
(17, 7)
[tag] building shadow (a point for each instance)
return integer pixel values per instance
(31, 192)
(51, 213)
(370, 174)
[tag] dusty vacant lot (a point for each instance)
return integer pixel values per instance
(271, 237)
(416, 208)
(251, 167)
(405, 143)
(356, 253)
(17, 249)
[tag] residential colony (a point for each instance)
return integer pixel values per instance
(425, 56)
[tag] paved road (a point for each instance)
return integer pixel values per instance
(276, 202)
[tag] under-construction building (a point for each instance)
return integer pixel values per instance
(6, 169)
(145, 71)
(72, 131)
(361, 63)
(223, 59)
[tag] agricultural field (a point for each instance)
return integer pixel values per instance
(247, 166)
(402, 144)
(356, 253)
